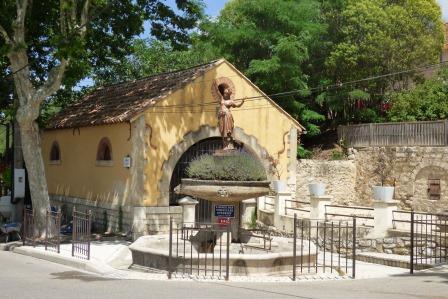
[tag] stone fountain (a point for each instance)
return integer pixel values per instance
(250, 253)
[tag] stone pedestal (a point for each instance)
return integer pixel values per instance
(318, 206)
(280, 204)
(248, 209)
(383, 216)
(188, 205)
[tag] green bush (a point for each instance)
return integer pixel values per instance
(303, 153)
(240, 167)
(337, 155)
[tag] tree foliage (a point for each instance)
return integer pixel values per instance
(270, 42)
(374, 37)
(426, 101)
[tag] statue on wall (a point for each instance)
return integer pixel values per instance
(224, 93)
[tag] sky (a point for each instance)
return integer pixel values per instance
(444, 5)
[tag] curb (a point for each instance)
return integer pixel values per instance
(10, 245)
(84, 265)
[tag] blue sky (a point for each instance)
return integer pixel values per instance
(444, 5)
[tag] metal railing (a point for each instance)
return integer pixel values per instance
(199, 249)
(29, 232)
(354, 214)
(297, 202)
(53, 231)
(322, 246)
(264, 235)
(82, 225)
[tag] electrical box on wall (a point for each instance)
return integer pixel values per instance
(127, 162)
(19, 183)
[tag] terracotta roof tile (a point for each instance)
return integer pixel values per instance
(121, 102)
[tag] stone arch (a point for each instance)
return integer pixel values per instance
(420, 182)
(190, 139)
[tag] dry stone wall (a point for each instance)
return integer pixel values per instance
(350, 182)
(339, 176)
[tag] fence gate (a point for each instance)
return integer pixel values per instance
(324, 247)
(199, 249)
(29, 233)
(82, 223)
(429, 234)
(53, 231)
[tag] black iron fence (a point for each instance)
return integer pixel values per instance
(53, 231)
(322, 246)
(340, 211)
(199, 249)
(29, 234)
(82, 225)
(296, 205)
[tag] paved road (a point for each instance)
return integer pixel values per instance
(26, 277)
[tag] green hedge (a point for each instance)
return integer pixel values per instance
(239, 167)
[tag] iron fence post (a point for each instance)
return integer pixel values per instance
(354, 249)
(411, 253)
(89, 226)
(73, 230)
(24, 226)
(170, 254)
(46, 229)
(294, 249)
(58, 230)
(228, 250)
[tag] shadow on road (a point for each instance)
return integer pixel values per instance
(78, 276)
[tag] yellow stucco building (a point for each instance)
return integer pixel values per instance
(126, 145)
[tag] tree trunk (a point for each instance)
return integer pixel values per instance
(32, 154)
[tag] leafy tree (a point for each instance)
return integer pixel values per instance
(426, 101)
(269, 41)
(149, 57)
(372, 37)
(54, 43)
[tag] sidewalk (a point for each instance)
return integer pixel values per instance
(112, 259)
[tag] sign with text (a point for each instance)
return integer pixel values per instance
(227, 211)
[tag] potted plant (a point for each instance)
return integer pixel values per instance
(278, 184)
(383, 170)
(318, 188)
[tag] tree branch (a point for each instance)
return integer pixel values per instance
(84, 18)
(5, 35)
(19, 22)
(53, 82)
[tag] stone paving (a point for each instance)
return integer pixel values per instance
(113, 259)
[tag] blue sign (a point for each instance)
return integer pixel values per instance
(227, 211)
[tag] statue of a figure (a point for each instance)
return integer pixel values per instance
(225, 118)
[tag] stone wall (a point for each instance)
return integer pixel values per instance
(339, 176)
(350, 181)
(411, 168)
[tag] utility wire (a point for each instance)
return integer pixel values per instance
(298, 91)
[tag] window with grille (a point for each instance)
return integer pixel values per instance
(434, 189)
(104, 152)
(55, 153)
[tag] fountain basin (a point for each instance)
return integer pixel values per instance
(152, 252)
(232, 191)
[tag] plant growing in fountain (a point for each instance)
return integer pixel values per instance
(241, 167)
(383, 170)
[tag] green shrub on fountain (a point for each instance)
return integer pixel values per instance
(241, 167)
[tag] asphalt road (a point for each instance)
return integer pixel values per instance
(26, 277)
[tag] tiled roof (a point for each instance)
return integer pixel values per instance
(123, 101)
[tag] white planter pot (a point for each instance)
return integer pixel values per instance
(317, 189)
(279, 186)
(383, 193)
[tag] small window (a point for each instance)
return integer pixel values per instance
(55, 153)
(104, 152)
(434, 189)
